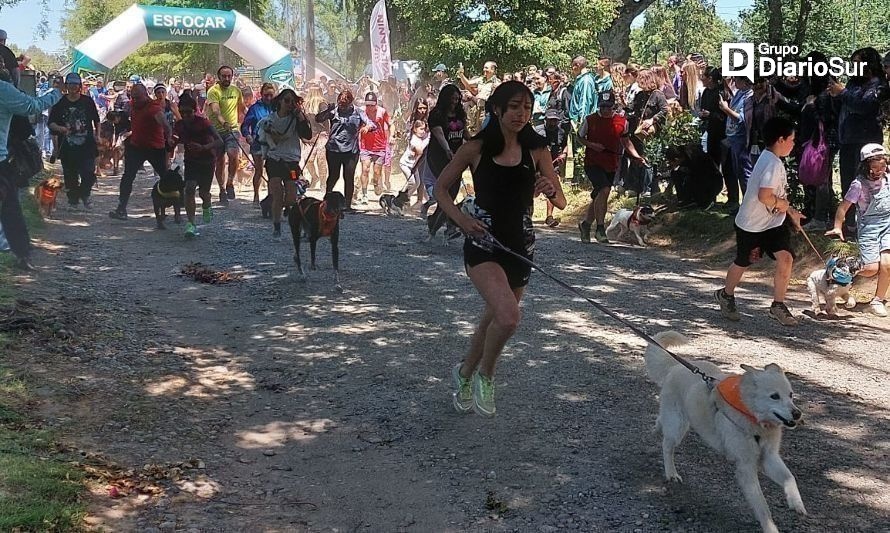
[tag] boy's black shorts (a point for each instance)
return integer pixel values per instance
(750, 247)
(201, 172)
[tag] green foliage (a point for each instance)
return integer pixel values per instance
(680, 26)
(679, 129)
(514, 33)
(836, 27)
(42, 60)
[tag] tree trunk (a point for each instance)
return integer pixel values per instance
(774, 23)
(803, 17)
(615, 40)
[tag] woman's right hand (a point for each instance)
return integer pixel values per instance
(835, 232)
(471, 226)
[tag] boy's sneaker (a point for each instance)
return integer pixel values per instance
(600, 236)
(727, 305)
(782, 314)
(230, 192)
(118, 214)
(483, 395)
(463, 391)
(584, 228)
(877, 307)
(190, 231)
(207, 214)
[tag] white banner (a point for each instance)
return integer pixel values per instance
(381, 58)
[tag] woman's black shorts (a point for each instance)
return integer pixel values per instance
(518, 272)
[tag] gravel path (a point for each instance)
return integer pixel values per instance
(312, 410)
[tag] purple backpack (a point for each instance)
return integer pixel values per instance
(813, 170)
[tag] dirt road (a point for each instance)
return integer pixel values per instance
(298, 408)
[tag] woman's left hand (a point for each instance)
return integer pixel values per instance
(545, 186)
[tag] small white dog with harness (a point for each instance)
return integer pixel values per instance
(626, 222)
(740, 416)
(832, 282)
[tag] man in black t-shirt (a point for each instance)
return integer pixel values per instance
(76, 121)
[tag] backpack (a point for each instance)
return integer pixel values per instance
(814, 161)
(25, 159)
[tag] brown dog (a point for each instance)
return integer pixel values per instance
(46, 192)
(319, 219)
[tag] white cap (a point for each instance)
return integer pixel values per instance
(871, 150)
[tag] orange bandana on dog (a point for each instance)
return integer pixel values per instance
(326, 222)
(729, 390)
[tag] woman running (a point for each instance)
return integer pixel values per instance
(511, 165)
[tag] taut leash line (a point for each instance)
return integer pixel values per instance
(489, 242)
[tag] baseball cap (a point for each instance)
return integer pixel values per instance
(607, 99)
(371, 97)
(871, 150)
(135, 79)
(440, 68)
(73, 78)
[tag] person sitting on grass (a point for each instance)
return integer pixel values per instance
(870, 191)
(762, 224)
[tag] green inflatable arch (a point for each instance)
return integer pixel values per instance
(142, 24)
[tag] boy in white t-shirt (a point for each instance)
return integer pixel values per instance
(762, 224)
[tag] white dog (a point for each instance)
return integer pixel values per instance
(832, 282)
(626, 222)
(742, 418)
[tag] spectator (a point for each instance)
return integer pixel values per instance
(859, 116)
(584, 95)
(645, 118)
(818, 124)
(690, 88)
(738, 111)
(665, 84)
(713, 118)
(14, 128)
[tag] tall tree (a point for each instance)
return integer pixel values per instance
(615, 38)
(680, 26)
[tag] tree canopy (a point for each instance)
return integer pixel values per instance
(680, 26)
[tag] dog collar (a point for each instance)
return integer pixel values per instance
(171, 194)
(729, 390)
(635, 218)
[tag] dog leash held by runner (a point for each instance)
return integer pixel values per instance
(489, 242)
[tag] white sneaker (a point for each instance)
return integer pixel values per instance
(878, 308)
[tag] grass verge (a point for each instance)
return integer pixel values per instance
(38, 490)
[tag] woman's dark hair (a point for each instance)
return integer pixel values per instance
(491, 135)
(816, 85)
(186, 100)
(424, 101)
(443, 104)
(775, 129)
(716, 77)
(266, 86)
(873, 66)
(276, 102)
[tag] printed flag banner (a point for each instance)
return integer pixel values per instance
(381, 57)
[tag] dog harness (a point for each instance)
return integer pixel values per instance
(634, 217)
(326, 222)
(729, 390)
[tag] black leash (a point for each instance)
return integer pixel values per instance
(489, 242)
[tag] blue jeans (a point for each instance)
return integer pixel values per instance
(44, 137)
(14, 226)
(740, 161)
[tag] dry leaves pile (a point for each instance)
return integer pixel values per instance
(204, 274)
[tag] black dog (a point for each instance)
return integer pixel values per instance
(169, 191)
(319, 219)
(694, 174)
(393, 205)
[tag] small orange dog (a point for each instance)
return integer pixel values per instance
(45, 192)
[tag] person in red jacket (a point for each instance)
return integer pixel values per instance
(149, 135)
(604, 134)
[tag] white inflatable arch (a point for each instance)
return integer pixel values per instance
(142, 24)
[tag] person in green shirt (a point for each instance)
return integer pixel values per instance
(225, 104)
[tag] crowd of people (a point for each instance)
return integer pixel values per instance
(515, 132)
